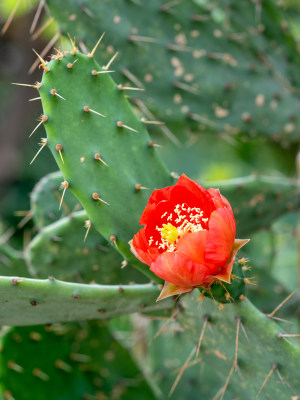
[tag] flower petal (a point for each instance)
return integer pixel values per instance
(180, 270)
(221, 236)
(170, 290)
(139, 246)
(218, 199)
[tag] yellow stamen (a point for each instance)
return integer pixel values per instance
(169, 232)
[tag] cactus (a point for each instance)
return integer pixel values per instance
(60, 251)
(79, 361)
(93, 166)
(261, 349)
(12, 262)
(221, 67)
(35, 301)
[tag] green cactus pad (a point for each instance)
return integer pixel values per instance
(70, 361)
(102, 148)
(32, 301)
(59, 250)
(261, 349)
(225, 66)
(12, 262)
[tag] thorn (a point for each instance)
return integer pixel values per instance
(35, 98)
(74, 48)
(151, 144)
(24, 220)
(121, 87)
(177, 47)
(87, 225)
(121, 125)
(40, 374)
(124, 264)
(145, 121)
(54, 93)
(87, 11)
(96, 196)
(113, 240)
(59, 148)
(36, 86)
(170, 4)
(64, 185)
(282, 335)
(106, 67)
(181, 371)
(43, 62)
(70, 65)
(10, 18)
(15, 367)
(37, 16)
(185, 87)
(227, 382)
(165, 324)
(163, 128)
(91, 54)
(42, 144)
(94, 72)
(60, 364)
(237, 342)
(138, 187)
(244, 331)
(201, 336)
(132, 78)
(97, 157)
(42, 28)
(48, 46)
(88, 109)
(282, 303)
(274, 366)
(135, 38)
(174, 175)
(43, 119)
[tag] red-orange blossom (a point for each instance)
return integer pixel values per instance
(188, 238)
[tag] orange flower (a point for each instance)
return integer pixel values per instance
(188, 238)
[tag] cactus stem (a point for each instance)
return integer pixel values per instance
(88, 109)
(91, 54)
(42, 28)
(206, 319)
(274, 366)
(37, 85)
(106, 67)
(121, 87)
(59, 148)
(42, 120)
(70, 65)
(35, 98)
(132, 77)
(10, 18)
(96, 196)
(146, 121)
(282, 303)
(38, 373)
(87, 225)
(147, 39)
(97, 157)
(121, 125)
(42, 144)
(181, 371)
(64, 185)
(54, 93)
(94, 72)
(37, 16)
(43, 62)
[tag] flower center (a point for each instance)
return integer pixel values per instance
(169, 232)
(182, 220)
